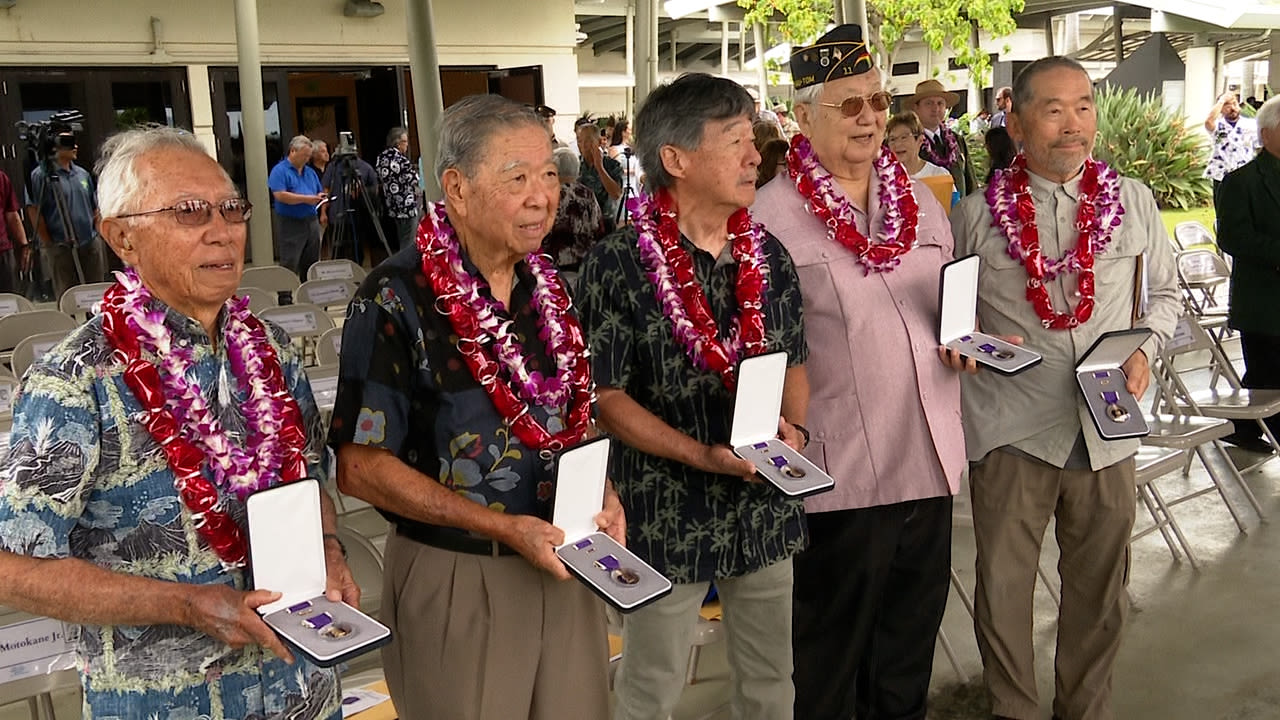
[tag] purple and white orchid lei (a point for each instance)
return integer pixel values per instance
(950, 139)
(235, 468)
(1003, 201)
(533, 387)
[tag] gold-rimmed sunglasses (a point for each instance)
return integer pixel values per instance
(852, 106)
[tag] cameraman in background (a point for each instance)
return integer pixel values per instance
(348, 181)
(15, 251)
(73, 252)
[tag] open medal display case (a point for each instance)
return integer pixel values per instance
(1115, 411)
(754, 436)
(958, 311)
(286, 551)
(614, 573)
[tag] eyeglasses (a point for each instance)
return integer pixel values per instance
(200, 212)
(852, 107)
(902, 138)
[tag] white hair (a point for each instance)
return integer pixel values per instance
(567, 163)
(1269, 114)
(120, 187)
(299, 141)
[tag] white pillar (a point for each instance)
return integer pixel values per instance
(644, 39)
(762, 73)
(1199, 93)
(1273, 64)
(201, 107)
(631, 58)
(653, 44)
(428, 99)
(253, 126)
(975, 87)
(724, 48)
(855, 12)
(1248, 79)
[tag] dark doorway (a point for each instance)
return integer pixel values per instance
(380, 98)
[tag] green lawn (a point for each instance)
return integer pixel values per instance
(1203, 215)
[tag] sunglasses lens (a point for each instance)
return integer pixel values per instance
(879, 101)
(851, 106)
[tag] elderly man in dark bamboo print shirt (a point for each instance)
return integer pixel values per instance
(696, 512)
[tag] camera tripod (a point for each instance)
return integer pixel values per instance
(350, 186)
(622, 217)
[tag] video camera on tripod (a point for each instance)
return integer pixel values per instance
(351, 188)
(45, 137)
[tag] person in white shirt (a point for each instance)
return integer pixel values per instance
(904, 135)
(1234, 139)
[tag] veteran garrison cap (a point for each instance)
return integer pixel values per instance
(839, 53)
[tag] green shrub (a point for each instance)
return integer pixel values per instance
(1141, 139)
(978, 156)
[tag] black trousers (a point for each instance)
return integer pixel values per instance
(869, 596)
(1261, 372)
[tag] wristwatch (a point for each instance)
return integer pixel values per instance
(803, 431)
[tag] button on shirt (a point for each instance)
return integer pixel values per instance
(1042, 412)
(1234, 144)
(690, 525)
(284, 176)
(884, 412)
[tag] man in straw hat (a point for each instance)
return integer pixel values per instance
(942, 145)
(868, 244)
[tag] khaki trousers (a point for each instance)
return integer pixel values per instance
(1013, 499)
(757, 623)
(490, 638)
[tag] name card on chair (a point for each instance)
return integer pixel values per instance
(334, 272)
(302, 321)
(8, 306)
(329, 294)
(39, 349)
(86, 299)
(1182, 335)
(34, 647)
(325, 390)
(6, 397)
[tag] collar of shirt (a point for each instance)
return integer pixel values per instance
(1042, 188)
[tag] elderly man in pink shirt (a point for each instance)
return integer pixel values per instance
(884, 408)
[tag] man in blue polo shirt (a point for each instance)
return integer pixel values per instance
(63, 246)
(296, 190)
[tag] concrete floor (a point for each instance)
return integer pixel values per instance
(1199, 645)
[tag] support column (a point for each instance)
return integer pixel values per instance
(762, 73)
(1248, 80)
(975, 86)
(1199, 93)
(1117, 33)
(1273, 64)
(724, 48)
(253, 129)
(645, 57)
(631, 58)
(428, 99)
(855, 12)
(201, 107)
(1048, 35)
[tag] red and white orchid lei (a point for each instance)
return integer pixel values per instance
(178, 417)
(477, 321)
(1098, 215)
(683, 302)
(901, 212)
